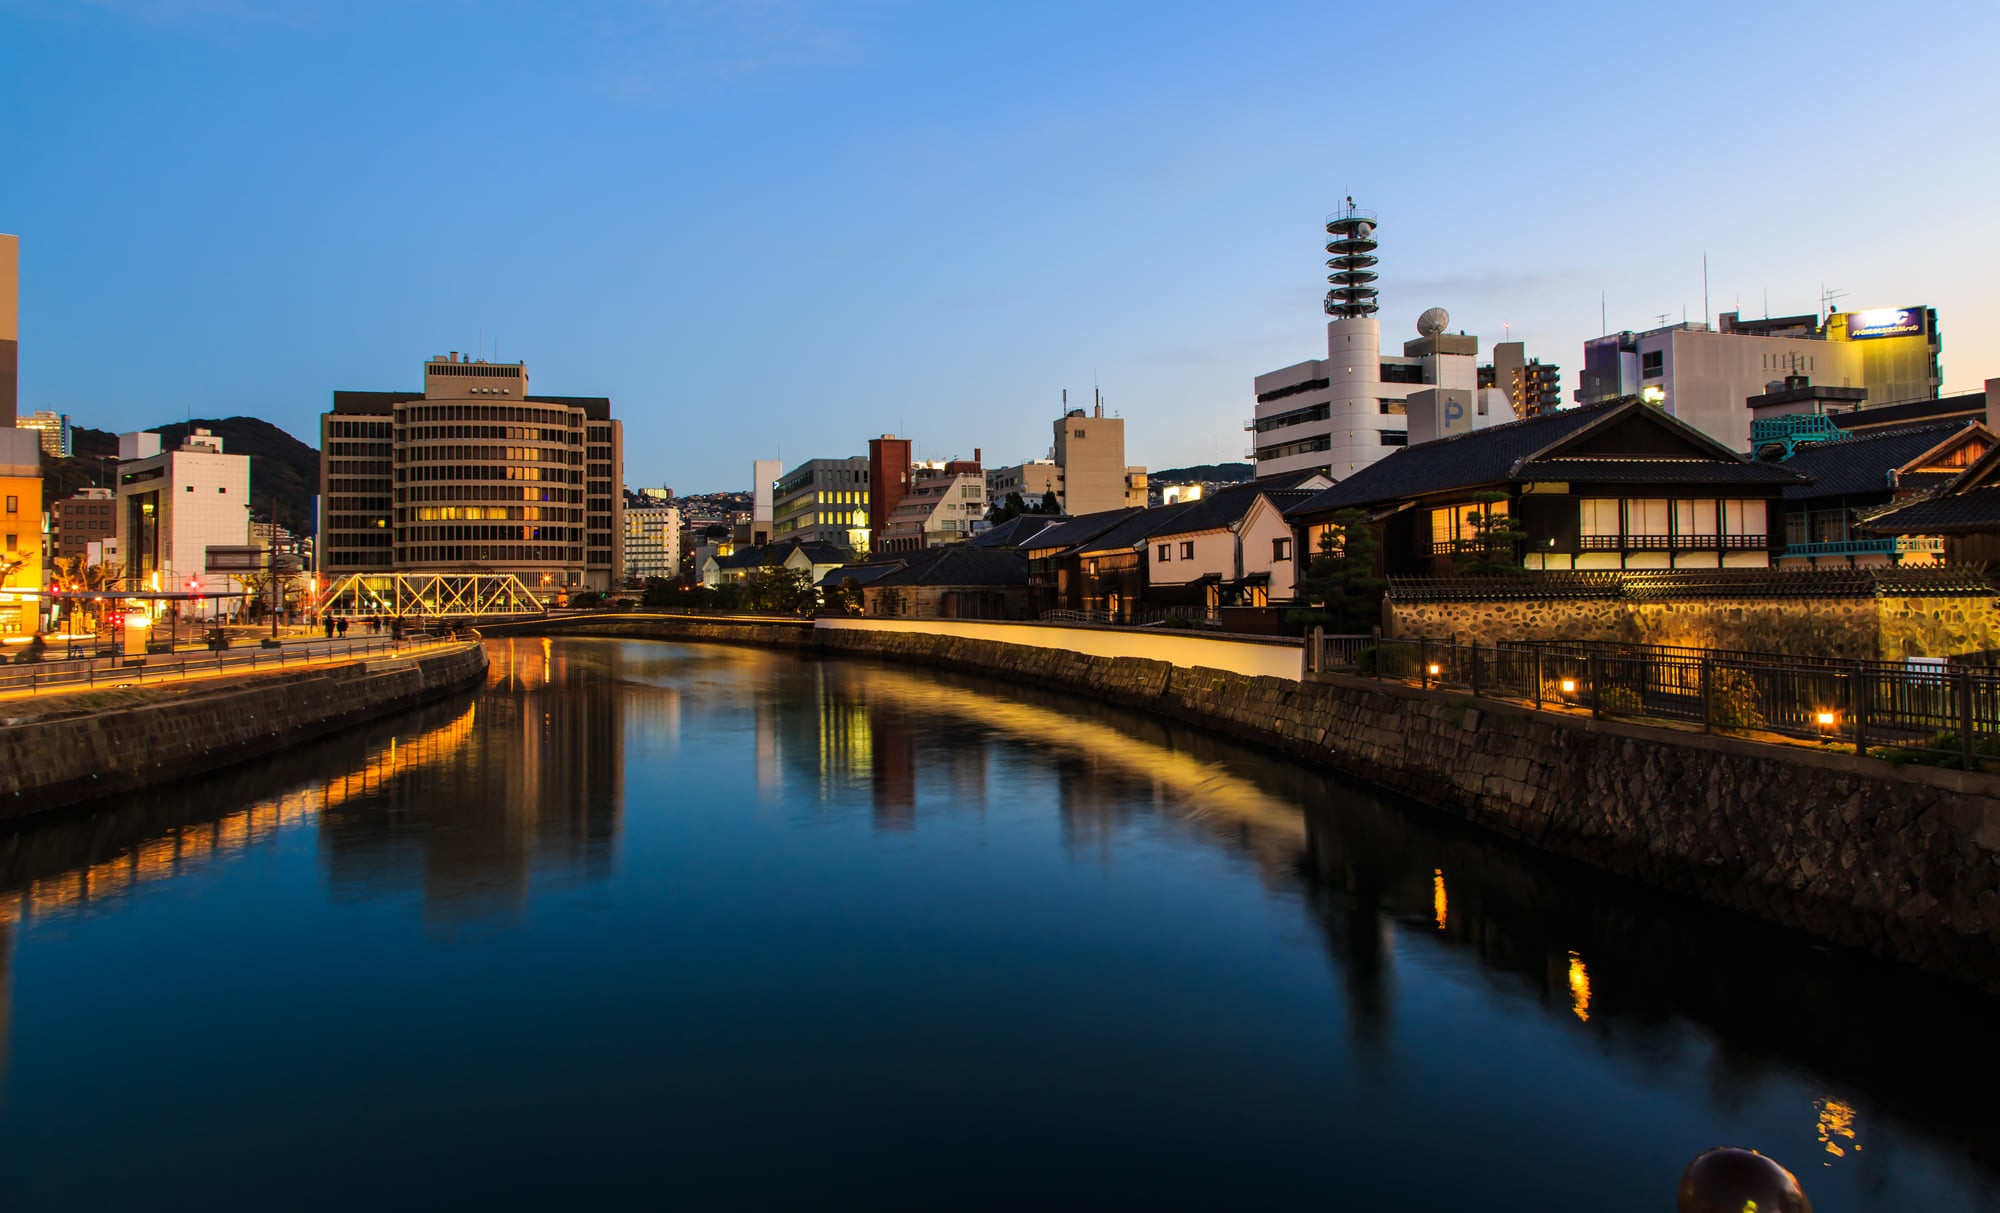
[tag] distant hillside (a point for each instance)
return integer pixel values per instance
(1224, 473)
(284, 472)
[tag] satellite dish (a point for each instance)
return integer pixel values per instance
(1363, 231)
(1433, 321)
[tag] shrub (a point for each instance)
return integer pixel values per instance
(1733, 701)
(1620, 701)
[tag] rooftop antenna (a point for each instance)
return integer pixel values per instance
(1826, 300)
(1604, 325)
(1767, 303)
(1663, 318)
(1704, 286)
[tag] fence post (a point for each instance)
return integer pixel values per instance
(1592, 664)
(1707, 708)
(1538, 675)
(1475, 669)
(1857, 708)
(1318, 664)
(1965, 718)
(1424, 661)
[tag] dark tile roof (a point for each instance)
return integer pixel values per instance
(1504, 454)
(1015, 532)
(817, 551)
(961, 564)
(1134, 530)
(1081, 529)
(748, 558)
(1970, 406)
(860, 574)
(1861, 464)
(1942, 514)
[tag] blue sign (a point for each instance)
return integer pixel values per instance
(1885, 322)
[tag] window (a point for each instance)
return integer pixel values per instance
(220, 489)
(1187, 549)
(13, 505)
(1694, 518)
(190, 488)
(1078, 433)
(1395, 437)
(1597, 516)
(13, 541)
(1652, 364)
(1166, 552)
(1646, 516)
(1743, 518)
(1281, 549)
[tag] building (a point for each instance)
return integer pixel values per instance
(763, 483)
(1052, 581)
(86, 516)
(473, 475)
(175, 505)
(946, 507)
(652, 541)
(54, 431)
(1705, 375)
(1340, 414)
(1091, 472)
(10, 326)
(21, 569)
(1853, 476)
(1529, 385)
(824, 501)
(888, 480)
(1964, 512)
(1620, 485)
(958, 581)
(1033, 480)
(1232, 548)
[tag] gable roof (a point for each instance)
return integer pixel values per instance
(1969, 502)
(816, 550)
(859, 574)
(960, 564)
(1015, 532)
(1081, 529)
(1134, 531)
(1861, 464)
(1619, 440)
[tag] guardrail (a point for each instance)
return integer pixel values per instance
(71, 673)
(1922, 709)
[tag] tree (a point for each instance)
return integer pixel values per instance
(1049, 504)
(1006, 511)
(1493, 548)
(1341, 582)
(659, 593)
(846, 597)
(777, 588)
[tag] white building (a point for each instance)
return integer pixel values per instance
(652, 541)
(174, 505)
(939, 509)
(1339, 414)
(1033, 480)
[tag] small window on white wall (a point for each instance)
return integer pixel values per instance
(1166, 552)
(1281, 549)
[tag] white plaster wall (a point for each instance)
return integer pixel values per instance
(1214, 552)
(1275, 659)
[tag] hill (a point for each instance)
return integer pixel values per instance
(1203, 473)
(284, 472)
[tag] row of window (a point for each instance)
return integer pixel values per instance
(364, 450)
(496, 513)
(548, 534)
(456, 471)
(408, 414)
(490, 553)
(506, 433)
(358, 429)
(488, 492)
(515, 454)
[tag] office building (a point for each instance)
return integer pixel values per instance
(86, 516)
(763, 484)
(1340, 414)
(1033, 480)
(10, 324)
(54, 431)
(824, 501)
(20, 532)
(1705, 375)
(652, 541)
(888, 480)
(1091, 472)
(175, 505)
(474, 474)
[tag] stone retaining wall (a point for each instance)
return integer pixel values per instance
(1903, 862)
(766, 633)
(65, 757)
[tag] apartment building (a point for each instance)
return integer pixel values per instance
(173, 505)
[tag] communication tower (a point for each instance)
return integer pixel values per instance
(1350, 244)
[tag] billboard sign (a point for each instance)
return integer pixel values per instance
(1885, 322)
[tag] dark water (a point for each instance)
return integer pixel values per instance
(646, 925)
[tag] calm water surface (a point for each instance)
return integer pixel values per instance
(702, 927)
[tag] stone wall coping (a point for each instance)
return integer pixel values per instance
(1968, 783)
(1292, 642)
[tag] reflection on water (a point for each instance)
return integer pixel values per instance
(916, 927)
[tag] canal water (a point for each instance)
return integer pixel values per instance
(651, 925)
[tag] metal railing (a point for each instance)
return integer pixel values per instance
(1936, 710)
(68, 674)
(1897, 546)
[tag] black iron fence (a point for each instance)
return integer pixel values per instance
(1921, 709)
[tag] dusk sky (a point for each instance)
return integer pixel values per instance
(776, 229)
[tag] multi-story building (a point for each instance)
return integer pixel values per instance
(652, 541)
(1339, 414)
(824, 501)
(175, 505)
(1530, 386)
(54, 431)
(1033, 480)
(473, 475)
(10, 323)
(1705, 375)
(943, 508)
(763, 491)
(86, 516)
(20, 532)
(1091, 472)
(888, 480)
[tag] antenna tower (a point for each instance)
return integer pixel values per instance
(1350, 243)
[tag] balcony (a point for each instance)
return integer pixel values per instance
(1673, 543)
(1898, 546)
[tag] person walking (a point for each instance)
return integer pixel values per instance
(328, 621)
(342, 627)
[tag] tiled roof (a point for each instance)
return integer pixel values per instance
(1861, 465)
(1015, 532)
(860, 574)
(1504, 454)
(1081, 529)
(1134, 531)
(1942, 514)
(960, 564)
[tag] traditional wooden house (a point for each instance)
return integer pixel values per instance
(1620, 485)
(1052, 582)
(955, 581)
(1860, 474)
(1964, 513)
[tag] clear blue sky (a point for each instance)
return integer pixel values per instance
(775, 229)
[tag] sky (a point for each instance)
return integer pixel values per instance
(777, 228)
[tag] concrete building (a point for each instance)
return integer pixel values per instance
(1340, 414)
(763, 484)
(175, 505)
(1091, 472)
(1529, 385)
(944, 508)
(824, 501)
(1033, 480)
(652, 541)
(1705, 375)
(86, 516)
(54, 431)
(473, 475)
(10, 328)
(888, 480)
(21, 570)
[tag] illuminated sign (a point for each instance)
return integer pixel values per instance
(1885, 322)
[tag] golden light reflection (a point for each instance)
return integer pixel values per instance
(1836, 1125)
(1439, 902)
(1579, 988)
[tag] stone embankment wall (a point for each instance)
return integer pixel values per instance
(1856, 628)
(1903, 862)
(77, 748)
(766, 633)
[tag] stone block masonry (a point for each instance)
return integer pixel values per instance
(81, 747)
